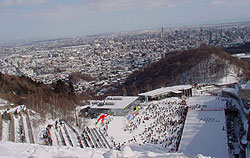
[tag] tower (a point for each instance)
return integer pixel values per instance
(162, 32)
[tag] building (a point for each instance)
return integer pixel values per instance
(243, 56)
(114, 105)
(165, 92)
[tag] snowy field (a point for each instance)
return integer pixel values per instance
(205, 133)
(19, 150)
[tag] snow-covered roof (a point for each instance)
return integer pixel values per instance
(239, 55)
(114, 102)
(165, 90)
(242, 55)
(203, 133)
(177, 92)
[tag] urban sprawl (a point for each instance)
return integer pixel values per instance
(110, 58)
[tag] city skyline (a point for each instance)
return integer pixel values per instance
(45, 19)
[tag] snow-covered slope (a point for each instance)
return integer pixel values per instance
(17, 150)
(212, 70)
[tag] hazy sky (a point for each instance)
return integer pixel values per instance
(44, 19)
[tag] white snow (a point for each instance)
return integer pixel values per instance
(127, 152)
(207, 102)
(60, 143)
(115, 102)
(73, 137)
(17, 150)
(204, 134)
(54, 137)
(165, 90)
(242, 55)
(26, 129)
(5, 130)
(116, 129)
(228, 79)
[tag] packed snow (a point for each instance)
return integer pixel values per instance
(17, 150)
(205, 133)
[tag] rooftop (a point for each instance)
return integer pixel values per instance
(165, 90)
(113, 102)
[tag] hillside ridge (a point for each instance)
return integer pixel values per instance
(37, 96)
(205, 64)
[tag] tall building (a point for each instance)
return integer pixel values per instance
(162, 33)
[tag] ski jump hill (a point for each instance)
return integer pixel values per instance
(205, 130)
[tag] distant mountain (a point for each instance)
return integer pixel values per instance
(202, 65)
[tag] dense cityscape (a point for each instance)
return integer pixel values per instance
(110, 58)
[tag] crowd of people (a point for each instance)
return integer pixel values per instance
(163, 124)
(21, 128)
(47, 136)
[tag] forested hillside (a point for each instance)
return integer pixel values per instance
(55, 99)
(206, 64)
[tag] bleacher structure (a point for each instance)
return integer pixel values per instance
(14, 125)
(90, 137)
(17, 128)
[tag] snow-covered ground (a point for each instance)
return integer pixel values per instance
(207, 102)
(205, 133)
(54, 137)
(5, 130)
(116, 130)
(17, 150)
